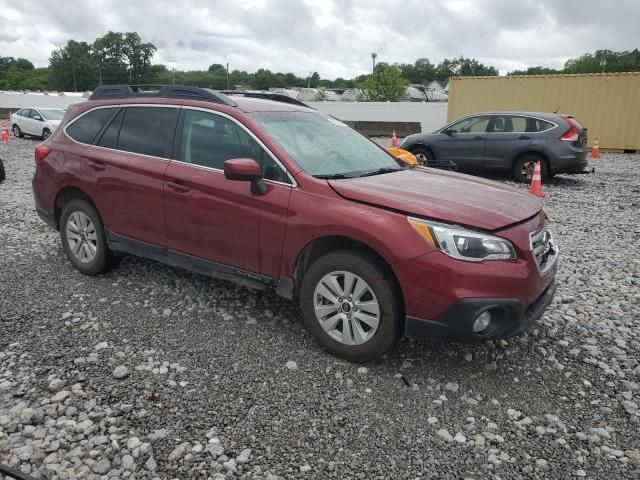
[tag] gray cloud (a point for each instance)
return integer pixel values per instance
(335, 37)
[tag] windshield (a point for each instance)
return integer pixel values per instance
(324, 146)
(52, 113)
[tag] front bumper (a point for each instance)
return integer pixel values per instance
(510, 318)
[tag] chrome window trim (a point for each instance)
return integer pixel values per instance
(293, 183)
(555, 125)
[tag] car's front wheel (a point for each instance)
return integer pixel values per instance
(17, 132)
(524, 166)
(423, 155)
(351, 305)
(83, 240)
(46, 133)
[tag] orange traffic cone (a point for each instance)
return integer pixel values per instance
(4, 136)
(394, 140)
(536, 182)
(595, 151)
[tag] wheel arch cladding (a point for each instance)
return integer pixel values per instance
(67, 194)
(321, 246)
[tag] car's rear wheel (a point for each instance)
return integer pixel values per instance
(524, 166)
(351, 305)
(423, 155)
(17, 132)
(83, 240)
(46, 133)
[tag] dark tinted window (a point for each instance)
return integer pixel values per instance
(109, 137)
(148, 130)
(85, 128)
(209, 140)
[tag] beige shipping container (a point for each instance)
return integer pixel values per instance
(608, 104)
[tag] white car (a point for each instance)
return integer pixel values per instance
(38, 122)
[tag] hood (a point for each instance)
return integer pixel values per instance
(54, 123)
(442, 195)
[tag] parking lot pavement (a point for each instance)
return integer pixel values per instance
(153, 371)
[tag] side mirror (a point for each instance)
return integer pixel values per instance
(248, 170)
(37, 117)
(447, 131)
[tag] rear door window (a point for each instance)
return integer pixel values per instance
(509, 124)
(148, 130)
(85, 128)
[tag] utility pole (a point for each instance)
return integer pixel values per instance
(228, 88)
(173, 76)
(603, 63)
(373, 57)
(73, 70)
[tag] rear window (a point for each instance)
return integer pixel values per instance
(85, 128)
(148, 130)
(537, 125)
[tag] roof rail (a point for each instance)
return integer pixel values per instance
(276, 97)
(105, 92)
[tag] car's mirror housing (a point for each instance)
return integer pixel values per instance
(37, 117)
(248, 170)
(243, 169)
(447, 131)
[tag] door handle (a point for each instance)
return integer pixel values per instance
(478, 137)
(96, 165)
(178, 187)
(524, 137)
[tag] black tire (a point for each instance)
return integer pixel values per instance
(46, 133)
(424, 155)
(2, 173)
(381, 282)
(523, 168)
(17, 132)
(104, 259)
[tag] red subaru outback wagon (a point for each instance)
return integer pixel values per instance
(271, 193)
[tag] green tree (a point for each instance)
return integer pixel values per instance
(216, 66)
(384, 85)
(71, 67)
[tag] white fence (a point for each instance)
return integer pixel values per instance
(430, 115)
(15, 100)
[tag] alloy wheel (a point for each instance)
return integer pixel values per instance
(422, 158)
(527, 169)
(82, 237)
(346, 307)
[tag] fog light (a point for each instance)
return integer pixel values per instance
(482, 322)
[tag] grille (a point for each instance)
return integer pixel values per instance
(543, 248)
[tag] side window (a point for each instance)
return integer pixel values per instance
(110, 136)
(20, 112)
(537, 125)
(471, 125)
(209, 140)
(33, 113)
(85, 128)
(509, 124)
(148, 130)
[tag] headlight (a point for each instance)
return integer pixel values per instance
(463, 244)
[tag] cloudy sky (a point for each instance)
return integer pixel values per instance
(333, 37)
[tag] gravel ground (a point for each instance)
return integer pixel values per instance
(151, 371)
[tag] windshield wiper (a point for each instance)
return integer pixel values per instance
(379, 171)
(332, 176)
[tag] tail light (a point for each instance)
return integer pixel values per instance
(572, 134)
(41, 153)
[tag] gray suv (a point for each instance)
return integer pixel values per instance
(509, 142)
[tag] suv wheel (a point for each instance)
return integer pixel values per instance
(350, 305)
(423, 155)
(82, 236)
(523, 168)
(17, 132)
